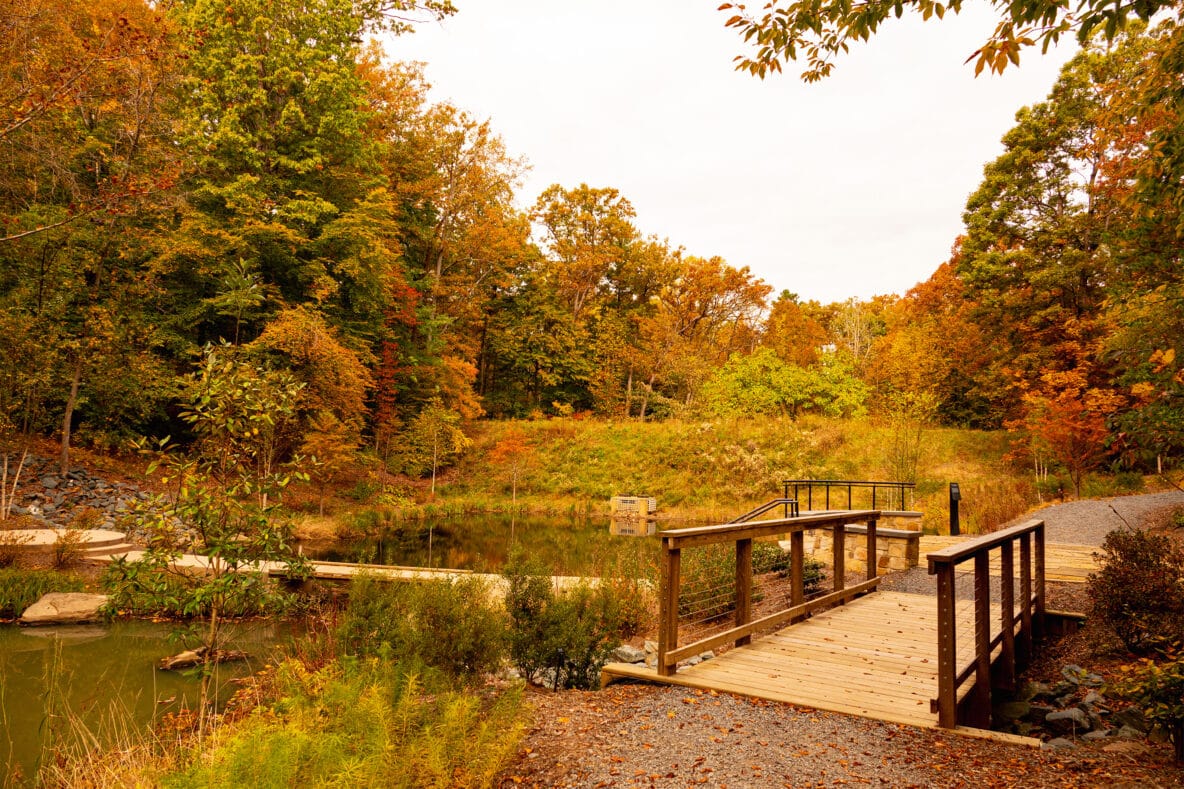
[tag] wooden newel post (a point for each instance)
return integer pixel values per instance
(873, 559)
(743, 587)
(982, 639)
(1038, 539)
(839, 554)
(668, 608)
(1025, 643)
(1007, 603)
(947, 652)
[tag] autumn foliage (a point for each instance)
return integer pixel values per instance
(170, 179)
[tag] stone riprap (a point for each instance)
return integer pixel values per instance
(45, 494)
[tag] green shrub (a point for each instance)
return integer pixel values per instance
(361, 723)
(20, 588)
(1158, 689)
(450, 626)
(630, 581)
(573, 632)
(133, 590)
(1139, 591)
(67, 548)
(1128, 481)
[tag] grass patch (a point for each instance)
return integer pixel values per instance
(20, 588)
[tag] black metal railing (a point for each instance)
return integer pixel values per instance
(884, 495)
(789, 509)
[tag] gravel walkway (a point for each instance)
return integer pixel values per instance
(628, 735)
(1088, 522)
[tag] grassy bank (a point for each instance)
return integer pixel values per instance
(698, 470)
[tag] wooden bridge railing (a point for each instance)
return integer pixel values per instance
(1015, 646)
(742, 535)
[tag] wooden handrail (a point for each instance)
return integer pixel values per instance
(1014, 648)
(960, 552)
(742, 535)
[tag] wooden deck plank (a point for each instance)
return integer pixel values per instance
(875, 657)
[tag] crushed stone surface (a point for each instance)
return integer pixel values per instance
(641, 736)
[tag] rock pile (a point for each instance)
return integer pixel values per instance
(57, 499)
(1076, 708)
(649, 656)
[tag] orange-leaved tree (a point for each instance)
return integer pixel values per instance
(1067, 418)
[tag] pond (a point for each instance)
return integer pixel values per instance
(568, 546)
(105, 677)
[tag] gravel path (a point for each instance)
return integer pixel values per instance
(1088, 522)
(628, 735)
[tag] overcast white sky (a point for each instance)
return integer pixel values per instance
(853, 186)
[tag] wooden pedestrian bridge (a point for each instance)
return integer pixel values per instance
(926, 660)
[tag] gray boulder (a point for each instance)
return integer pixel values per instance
(1132, 717)
(64, 608)
(1070, 721)
(628, 654)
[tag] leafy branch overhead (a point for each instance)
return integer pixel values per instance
(817, 31)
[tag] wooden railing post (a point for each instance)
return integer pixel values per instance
(668, 608)
(1025, 643)
(1038, 561)
(873, 559)
(743, 587)
(947, 649)
(839, 553)
(1006, 674)
(982, 639)
(797, 574)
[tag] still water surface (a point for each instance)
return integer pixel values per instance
(567, 546)
(104, 676)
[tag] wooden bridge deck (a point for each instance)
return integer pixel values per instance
(875, 657)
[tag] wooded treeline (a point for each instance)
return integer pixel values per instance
(258, 182)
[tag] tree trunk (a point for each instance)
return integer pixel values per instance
(629, 393)
(435, 446)
(68, 417)
(645, 398)
(513, 501)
